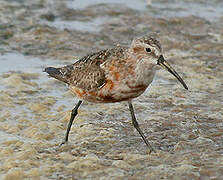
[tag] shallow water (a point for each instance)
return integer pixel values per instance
(185, 127)
(137, 5)
(210, 10)
(91, 26)
(19, 62)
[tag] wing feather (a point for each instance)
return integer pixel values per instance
(87, 72)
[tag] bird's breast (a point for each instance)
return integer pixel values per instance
(122, 83)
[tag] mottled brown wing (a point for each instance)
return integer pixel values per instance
(87, 73)
(86, 78)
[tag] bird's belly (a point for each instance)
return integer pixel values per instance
(111, 92)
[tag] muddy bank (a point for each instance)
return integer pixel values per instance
(186, 127)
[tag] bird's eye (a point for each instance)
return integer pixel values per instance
(148, 50)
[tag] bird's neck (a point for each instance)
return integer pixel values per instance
(144, 71)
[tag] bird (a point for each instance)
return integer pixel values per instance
(113, 75)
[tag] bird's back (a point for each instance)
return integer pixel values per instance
(87, 72)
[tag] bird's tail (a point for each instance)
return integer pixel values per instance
(55, 73)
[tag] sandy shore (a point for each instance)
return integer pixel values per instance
(186, 127)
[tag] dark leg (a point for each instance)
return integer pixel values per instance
(73, 115)
(136, 125)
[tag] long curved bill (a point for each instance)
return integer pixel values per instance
(163, 63)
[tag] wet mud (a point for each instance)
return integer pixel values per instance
(185, 127)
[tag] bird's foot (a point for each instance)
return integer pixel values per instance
(151, 149)
(63, 142)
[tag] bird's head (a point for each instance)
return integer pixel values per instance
(148, 49)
